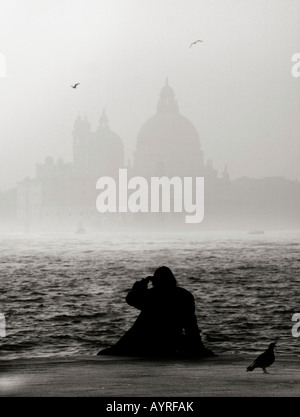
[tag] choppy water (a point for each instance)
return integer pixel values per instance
(65, 294)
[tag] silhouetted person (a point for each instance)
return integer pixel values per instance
(167, 324)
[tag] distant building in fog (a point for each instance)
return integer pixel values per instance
(168, 143)
(97, 153)
(62, 196)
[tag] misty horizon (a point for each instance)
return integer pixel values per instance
(236, 87)
(129, 157)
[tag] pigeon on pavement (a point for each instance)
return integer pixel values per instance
(264, 360)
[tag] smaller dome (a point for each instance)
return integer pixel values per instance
(104, 136)
(103, 122)
(106, 149)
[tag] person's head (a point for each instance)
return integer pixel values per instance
(164, 279)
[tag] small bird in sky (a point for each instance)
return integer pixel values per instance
(264, 360)
(194, 43)
(75, 85)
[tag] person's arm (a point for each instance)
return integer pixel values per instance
(137, 295)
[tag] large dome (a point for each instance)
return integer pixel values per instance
(168, 143)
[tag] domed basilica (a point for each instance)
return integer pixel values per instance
(63, 195)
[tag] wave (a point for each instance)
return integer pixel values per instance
(60, 301)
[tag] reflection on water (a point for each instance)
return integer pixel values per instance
(65, 294)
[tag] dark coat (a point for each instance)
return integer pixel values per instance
(166, 325)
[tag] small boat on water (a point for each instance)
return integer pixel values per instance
(256, 232)
(80, 230)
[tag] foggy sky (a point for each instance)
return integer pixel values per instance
(236, 87)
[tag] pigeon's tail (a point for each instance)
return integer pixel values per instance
(251, 367)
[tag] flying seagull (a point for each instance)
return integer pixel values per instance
(75, 85)
(264, 360)
(194, 43)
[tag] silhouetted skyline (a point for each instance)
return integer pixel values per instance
(236, 87)
(170, 178)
